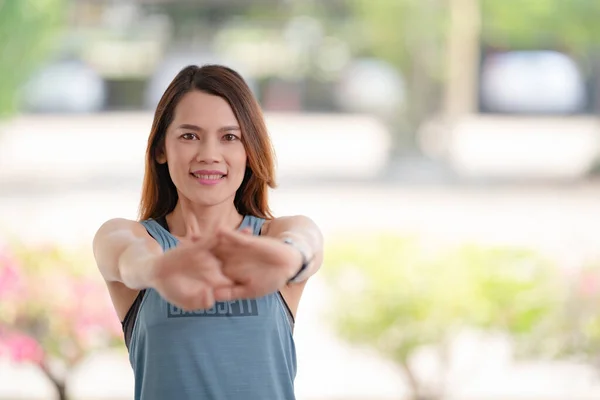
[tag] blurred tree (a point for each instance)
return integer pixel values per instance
(27, 34)
(392, 295)
(410, 35)
(567, 26)
(53, 311)
(432, 41)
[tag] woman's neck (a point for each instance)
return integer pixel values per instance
(189, 220)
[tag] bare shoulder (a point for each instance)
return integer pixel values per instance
(119, 228)
(276, 226)
(119, 224)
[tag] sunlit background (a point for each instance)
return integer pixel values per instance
(447, 148)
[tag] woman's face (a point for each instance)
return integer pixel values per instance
(204, 150)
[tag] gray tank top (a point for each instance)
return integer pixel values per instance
(238, 350)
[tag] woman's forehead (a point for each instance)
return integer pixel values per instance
(199, 105)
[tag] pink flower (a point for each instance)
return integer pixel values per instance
(72, 313)
(23, 348)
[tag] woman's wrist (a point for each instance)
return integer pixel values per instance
(301, 262)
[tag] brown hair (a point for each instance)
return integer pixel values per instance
(159, 195)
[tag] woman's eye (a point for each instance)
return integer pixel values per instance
(230, 137)
(188, 136)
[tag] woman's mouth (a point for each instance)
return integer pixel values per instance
(208, 177)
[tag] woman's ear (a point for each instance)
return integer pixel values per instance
(161, 156)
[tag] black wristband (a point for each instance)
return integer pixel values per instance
(305, 261)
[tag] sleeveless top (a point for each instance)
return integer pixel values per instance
(236, 350)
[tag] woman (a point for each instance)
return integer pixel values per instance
(207, 282)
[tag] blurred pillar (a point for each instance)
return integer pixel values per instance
(462, 58)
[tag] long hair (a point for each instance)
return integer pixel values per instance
(159, 195)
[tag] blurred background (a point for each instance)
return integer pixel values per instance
(449, 150)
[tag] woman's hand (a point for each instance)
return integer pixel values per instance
(188, 275)
(258, 265)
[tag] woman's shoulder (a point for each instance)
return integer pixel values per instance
(276, 225)
(119, 225)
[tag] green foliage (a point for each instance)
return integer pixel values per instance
(396, 30)
(572, 24)
(396, 295)
(27, 34)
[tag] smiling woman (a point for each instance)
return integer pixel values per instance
(221, 96)
(207, 282)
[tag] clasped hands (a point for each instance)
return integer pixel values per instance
(227, 266)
